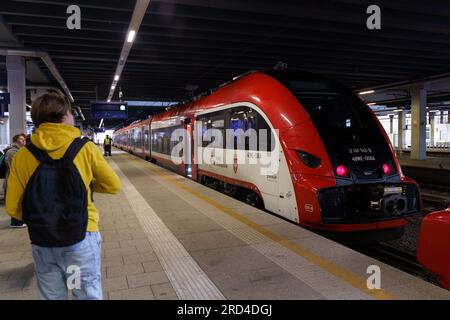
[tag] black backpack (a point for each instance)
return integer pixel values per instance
(55, 203)
(3, 165)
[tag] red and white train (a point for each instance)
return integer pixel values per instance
(337, 168)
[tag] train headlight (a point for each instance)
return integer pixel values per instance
(309, 160)
(342, 171)
(388, 169)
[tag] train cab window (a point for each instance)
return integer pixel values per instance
(332, 111)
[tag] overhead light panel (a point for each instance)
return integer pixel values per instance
(139, 12)
(131, 35)
(366, 92)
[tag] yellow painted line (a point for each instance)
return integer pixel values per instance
(349, 277)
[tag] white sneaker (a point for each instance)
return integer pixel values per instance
(18, 227)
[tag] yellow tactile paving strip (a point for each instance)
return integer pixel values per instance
(337, 271)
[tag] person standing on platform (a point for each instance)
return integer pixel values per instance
(107, 145)
(18, 142)
(50, 187)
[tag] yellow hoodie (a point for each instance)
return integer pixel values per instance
(55, 138)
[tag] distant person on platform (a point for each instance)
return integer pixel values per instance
(18, 142)
(50, 187)
(107, 145)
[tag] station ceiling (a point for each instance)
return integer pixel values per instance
(204, 43)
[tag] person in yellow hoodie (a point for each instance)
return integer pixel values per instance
(55, 267)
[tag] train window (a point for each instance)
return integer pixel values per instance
(146, 139)
(132, 138)
(215, 120)
(237, 124)
(243, 118)
(244, 123)
(137, 138)
(161, 140)
(266, 139)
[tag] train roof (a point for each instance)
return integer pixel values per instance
(295, 81)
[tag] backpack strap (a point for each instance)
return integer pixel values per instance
(73, 149)
(39, 154)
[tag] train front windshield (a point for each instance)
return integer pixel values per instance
(346, 126)
(333, 111)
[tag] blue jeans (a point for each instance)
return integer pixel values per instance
(76, 267)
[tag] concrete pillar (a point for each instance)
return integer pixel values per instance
(418, 122)
(432, 127)
(391, 124)
(15, 66)
(400, 130)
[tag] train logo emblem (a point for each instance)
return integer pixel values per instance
(235, 163)
(309, 207)
(213, 157)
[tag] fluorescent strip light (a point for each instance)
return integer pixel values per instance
(366, 92)
(101, 122)
(131, 36)
(371, 104)
(116, 77)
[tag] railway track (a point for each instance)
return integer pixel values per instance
(434, 197)
(401, 253)
(399, 259)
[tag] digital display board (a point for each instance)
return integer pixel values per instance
(4, 101)
(109, 110)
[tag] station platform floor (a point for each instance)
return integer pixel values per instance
(167, 237)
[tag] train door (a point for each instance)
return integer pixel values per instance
(129, 141)
(132, 141)
(187, 150)
(287, 205)
(142, 140)
(276, 184)
(147, 140)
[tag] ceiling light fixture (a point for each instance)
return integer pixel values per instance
(139, 11)
(131, 35)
